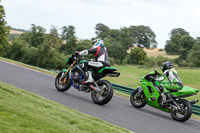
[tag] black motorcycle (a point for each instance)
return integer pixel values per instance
(101, 90)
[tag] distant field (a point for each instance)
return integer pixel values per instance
(15, 32)
(156, 53)
(24, 112)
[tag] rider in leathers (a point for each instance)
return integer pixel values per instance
(174, 83)
(101, 59)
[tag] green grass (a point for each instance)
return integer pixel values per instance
(24, 112)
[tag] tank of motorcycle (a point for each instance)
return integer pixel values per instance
(186, 90)
(64, 70)
(67, 60)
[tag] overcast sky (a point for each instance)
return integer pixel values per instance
(160, 15)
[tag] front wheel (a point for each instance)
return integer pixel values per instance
(62, 84)
(105, 95)
(185, 111)
(138, 100)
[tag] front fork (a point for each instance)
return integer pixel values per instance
(65, 73)
(64, 78)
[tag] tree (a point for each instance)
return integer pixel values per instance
(115, 33)
(48, 57)
(15, 50)
(36, 35)
(125, 39)
(115, 50)
(178, 31)
(102, 31)
(68, 34)
(186, 44)
(194, 54)
(4, 30)
(82, 45)
(137, 56)
(30, 55)
(144, 35)
(173, 45)
(54, 38)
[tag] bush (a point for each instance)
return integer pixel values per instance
(137, 56)
(160, 59)
(150, 62)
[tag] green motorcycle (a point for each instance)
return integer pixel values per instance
(149, 93)
(101, 90)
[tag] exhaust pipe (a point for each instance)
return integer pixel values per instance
(194, 101)
(116, 74)
(95, 88)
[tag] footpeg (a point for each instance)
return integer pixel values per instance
(194, 101)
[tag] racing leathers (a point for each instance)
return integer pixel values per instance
(174, 83)
(101, 60)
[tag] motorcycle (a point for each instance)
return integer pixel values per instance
(150, 93)
(101, 90)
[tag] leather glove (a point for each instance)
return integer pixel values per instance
(77, 53)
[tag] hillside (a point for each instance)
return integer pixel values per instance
(24, 112)
(158, 52)
(155, 52)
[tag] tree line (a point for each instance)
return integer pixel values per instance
(182, 44)
(50, 50)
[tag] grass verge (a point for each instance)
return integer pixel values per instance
(22, 111)
(28, 66)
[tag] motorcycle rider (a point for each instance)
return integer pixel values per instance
(174, 83)
(101, 59)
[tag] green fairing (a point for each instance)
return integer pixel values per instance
(100, 71)
(150, 91)
(67, 60)
(64, 70)
(149, 95)
(152, 72)
(84, 61)
(186, 90)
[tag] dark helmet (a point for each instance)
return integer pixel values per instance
(167, 65)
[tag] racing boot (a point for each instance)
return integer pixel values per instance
(89, 79)
(164, 98)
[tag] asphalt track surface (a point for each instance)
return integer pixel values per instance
(118, 111)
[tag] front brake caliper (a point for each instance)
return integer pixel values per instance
(62, 79)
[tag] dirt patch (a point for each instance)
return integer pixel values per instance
(15, 32)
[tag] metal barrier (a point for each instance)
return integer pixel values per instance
(123, 89)
(196, 109)
(128, 90)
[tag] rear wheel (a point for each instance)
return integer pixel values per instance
(62, 84)
(184, 113)
(105, 95)
(138, 100)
